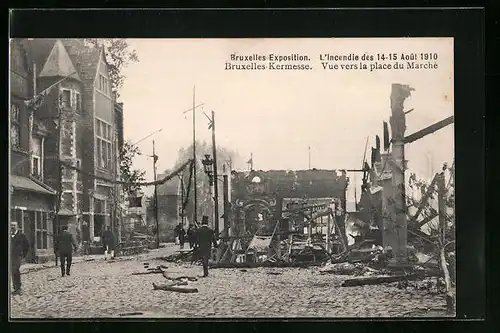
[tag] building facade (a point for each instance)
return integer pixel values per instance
(32, 201)
(86, 130)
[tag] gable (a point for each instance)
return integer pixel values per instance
(103, 65)
(59, 63)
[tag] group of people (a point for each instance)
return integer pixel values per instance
(200, 241)
(181, 234)
(64, 245)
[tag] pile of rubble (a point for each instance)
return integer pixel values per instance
(182, 256)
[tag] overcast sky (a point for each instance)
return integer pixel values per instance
(277, 115)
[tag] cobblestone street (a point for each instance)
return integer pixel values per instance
(100, 289)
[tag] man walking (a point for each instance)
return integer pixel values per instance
(206, 238)
(181, 233)
(191, 235)
(19, 247)
(65, 244)
(109, 242)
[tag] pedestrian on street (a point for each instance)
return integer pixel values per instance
(191, 235)
(109, 243)
(181, 233)
(65, 244)
(19, 248)
(56, 253)
(206, 237)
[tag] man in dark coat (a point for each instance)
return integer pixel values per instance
(191, 235)
(19, 247)
(65, 244)
(206, 237)
(109, 243)
(181, 233)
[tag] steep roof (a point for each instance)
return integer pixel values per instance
(38, 50)
(58, 63)
(84, 57)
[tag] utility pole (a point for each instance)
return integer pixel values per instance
(156, 198)
(309, 151)
(182, 198)
(195, 213)
(226, 203)
(216, 180)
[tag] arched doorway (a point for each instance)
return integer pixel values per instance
(256, 216)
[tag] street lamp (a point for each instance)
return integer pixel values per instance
(208, 167)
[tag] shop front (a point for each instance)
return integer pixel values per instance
(32, 206)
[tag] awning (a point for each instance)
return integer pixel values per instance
(28, 184)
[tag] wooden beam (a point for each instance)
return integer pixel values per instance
(427, 219)
(430, 129)
(425, 197)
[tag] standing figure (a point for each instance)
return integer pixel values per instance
(86, 238)
(191, 235)
(19, 247)
(181, 233)
(54, 245)
(65, 244)
(109, 243)
(206, 237)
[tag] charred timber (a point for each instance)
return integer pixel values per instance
(428, 130)
(385, 279)
(267, 264)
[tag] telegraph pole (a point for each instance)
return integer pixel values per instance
(156, 198)
(216, 181)
(309, 151)
(195, 213)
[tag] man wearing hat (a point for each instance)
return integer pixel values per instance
(19, 247)
(65, 244)
(206, 237)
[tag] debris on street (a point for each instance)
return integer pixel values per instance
(180, 278)
(175, 287)
(157, 270)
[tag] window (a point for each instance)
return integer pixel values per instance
(65, 98)
(36, 161)
(99, 206)
(103, 84)
(77, 101)
(41, 230)
(103, 144)
(71, 99)
(15, 133)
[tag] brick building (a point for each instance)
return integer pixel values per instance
(91, 131)
(31, 200)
